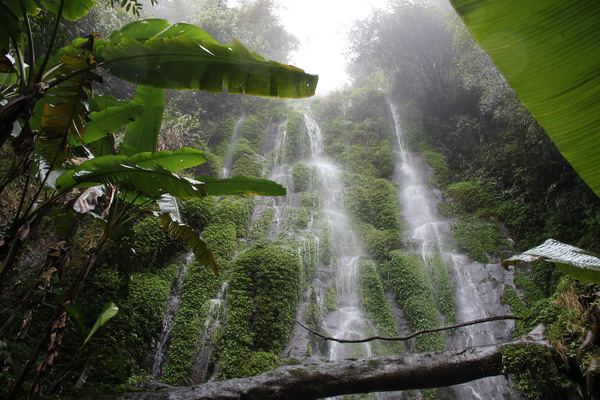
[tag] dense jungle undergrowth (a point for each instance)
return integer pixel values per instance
(499, 178)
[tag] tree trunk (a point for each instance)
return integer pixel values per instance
(368, 375)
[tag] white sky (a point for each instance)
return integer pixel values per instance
(322, 27)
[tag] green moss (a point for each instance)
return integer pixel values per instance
(511, 298)
(374, 304)
(378, 242)
(310, 200)
(222, 136)
(409, 282)
(242, 148)
(197, 213)
(533, 369)
(373, 201)
(252, 131)
(472, 197)
(307, 249)
(263, 296)
(442, 175)
(151, 244)
(199, 286)
(125, 340)
(477, 238)
(296, 145)
(444, 295)
(298, 217)
(221, 240)
(247, 165)
(236, 211)
(330, 301)
(303, 175)
(262, 225)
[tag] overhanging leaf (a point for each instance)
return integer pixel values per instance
(73, 9)
(109, 121)
(241, 185)
(150, 182)
(198, 62)
(65, 107)
(168, 204)
(549, 52)
(183, 232)
(142, 134)
(569, 259)
(109, 311)
(10, 27)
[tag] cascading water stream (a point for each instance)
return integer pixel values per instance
(477, 287)
(161, 340)
(235, 135)
(201, 371)
(347, 320)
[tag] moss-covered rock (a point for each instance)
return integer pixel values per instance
(263, 295)
(374, 304)
(199, 285)
(408, 280)
(479, 239)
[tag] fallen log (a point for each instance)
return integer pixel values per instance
(367, 375)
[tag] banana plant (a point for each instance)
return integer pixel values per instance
(44, 110)
(51, 98)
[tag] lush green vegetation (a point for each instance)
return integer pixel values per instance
(263, 296)
(496, 173)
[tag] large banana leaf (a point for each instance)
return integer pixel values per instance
(241, 185)
(171, 161)
(549, 52)
(109, 120)
(191, 59)
(148, 173)
(571, 260)
(65, 106)
(183, 232)
(148, 182)
(142, 134)
(10, 27)
(73, 9)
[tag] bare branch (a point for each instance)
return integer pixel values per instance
(412, 335)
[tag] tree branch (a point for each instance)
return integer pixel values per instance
(321, 379)
(412, 335)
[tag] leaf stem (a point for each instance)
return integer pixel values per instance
(41, 75)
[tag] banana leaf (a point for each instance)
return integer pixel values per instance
(65, 107)
(569, 259)
(148, 182)
(109, 120)
(183, 232)
(197, 62)
(73, 9)
(241, 185)
(32, 7)
(10, 27)
(549, 52)
(142, 134)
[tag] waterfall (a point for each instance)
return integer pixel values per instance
(477, 287)
(161, 341)
(346, 320)
(202, 369)
(235, 135)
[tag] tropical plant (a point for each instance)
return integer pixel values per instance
(67, 137)
(548, 52)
